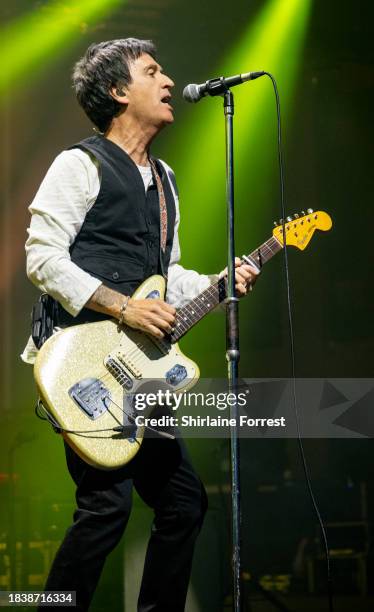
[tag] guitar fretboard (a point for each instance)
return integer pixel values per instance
(196, 309)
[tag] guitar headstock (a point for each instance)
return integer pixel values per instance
(299, 229)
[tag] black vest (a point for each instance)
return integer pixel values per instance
(119, 242)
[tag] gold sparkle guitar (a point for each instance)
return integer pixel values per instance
(87, 375)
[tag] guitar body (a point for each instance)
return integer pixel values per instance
(87, 376)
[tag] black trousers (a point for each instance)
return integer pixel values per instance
(164, 478)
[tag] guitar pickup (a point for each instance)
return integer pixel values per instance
(119, 373)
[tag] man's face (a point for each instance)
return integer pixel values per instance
(148, 95)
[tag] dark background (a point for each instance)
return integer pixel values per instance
(328, 166)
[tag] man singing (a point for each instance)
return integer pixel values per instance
(105, 218)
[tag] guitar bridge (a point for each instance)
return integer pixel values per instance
(91, 396)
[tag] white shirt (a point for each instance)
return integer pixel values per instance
(67, 193)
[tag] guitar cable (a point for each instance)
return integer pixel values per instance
(292, 350)
(43, 414)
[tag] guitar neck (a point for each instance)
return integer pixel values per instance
(215, 294)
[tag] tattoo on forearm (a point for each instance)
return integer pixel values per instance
(106, 300)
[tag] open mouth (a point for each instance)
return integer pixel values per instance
(166, 99)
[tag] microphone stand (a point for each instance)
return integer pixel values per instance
(232, 352)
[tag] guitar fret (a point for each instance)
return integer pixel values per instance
(266, 250)
(196, 309)
(179, 324)
(189, 315)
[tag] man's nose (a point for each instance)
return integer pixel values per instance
(169, 82)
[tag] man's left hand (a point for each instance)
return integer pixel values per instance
(245, 277)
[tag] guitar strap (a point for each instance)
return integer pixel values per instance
(162, 204)
(44, 316)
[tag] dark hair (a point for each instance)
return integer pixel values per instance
(106, 65)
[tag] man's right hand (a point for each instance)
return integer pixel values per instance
(153, 317)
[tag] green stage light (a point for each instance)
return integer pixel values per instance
(272, 42)
(31, 42)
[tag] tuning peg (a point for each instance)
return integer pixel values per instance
(280, 221)
(296, 216)
(303, 212)
(309, 211)
(275, 223)
(289, 218)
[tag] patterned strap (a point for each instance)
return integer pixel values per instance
(162, 203)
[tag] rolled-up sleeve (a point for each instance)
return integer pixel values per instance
(58, 210)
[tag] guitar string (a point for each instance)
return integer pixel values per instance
(109, 375)
(185, 320)
(267, 250)
(129, 355)
(186, 315)
(212, 294)
(188, 318)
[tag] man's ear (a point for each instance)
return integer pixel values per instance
(119, 94)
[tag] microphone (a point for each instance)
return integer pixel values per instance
(216, 87)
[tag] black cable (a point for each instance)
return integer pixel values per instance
(46, 416)
(57, 427)
(292, 348)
